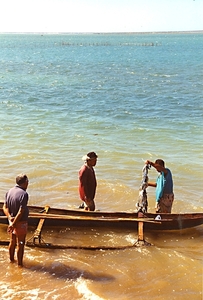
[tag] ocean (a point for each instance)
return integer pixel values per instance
(129, 98)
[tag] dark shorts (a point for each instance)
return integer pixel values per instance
(89, 205)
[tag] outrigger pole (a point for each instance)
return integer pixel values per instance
(37, 234)
(37, 241)
(141, 241)
(31, 242)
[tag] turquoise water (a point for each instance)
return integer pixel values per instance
(129, 97)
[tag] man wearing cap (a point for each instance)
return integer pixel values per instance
(16, 210)
(87, 181)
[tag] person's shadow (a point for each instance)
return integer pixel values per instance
(62, 271)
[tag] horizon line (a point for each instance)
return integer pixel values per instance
(110, 32)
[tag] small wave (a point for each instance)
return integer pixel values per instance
(82, 288)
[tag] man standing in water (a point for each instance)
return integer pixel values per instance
(16, 210)
(164, 187)
(87, 181)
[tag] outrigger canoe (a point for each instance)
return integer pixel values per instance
(56, 217)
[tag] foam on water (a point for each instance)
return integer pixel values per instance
(82, 287)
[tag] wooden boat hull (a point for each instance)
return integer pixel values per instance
(80, 218)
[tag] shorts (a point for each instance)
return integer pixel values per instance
(20, 228)
(165, 203)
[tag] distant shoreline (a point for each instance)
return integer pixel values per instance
(106, 33)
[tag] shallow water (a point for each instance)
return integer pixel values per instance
(129, 98)
(171, 268)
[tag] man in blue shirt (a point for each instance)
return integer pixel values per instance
(164, 187)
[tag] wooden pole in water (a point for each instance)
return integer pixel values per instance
(140, 231)
(37, 233)
(140, 241)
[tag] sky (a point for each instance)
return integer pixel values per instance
(100, 15)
